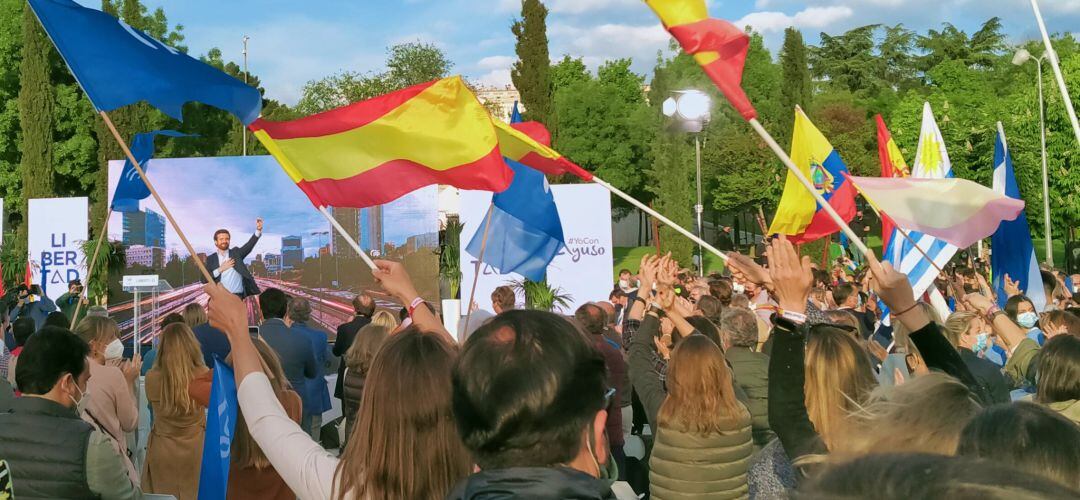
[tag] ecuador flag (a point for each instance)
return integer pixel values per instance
(373, 152)
(798, 215)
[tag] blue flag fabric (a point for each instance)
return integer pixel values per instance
(220, 424)
(1013, 252)
(526, 232)
(119, 65)
(131, 188)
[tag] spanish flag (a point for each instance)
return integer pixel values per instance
(375, 151)
(718, 46)
(798, 215)
(892, 165)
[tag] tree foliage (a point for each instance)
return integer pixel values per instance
(531, 73)
(407, 64)
(35, 116)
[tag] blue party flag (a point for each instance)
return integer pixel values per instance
(526, 232)
(117, 65)
(1013, 252)
(131, 188)
(220, 427)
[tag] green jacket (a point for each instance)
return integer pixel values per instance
(692, 466)
(751, 371)
(1069, 409)
(1020, 365)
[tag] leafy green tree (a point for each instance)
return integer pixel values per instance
(35, 116)
(847, 60)
(672, 183)
(568, 71)
(407, 64)
(531, 73)
(616, 74)
(796, 89)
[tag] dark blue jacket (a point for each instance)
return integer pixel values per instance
(317, 397)
(294, 350)
(212, 341)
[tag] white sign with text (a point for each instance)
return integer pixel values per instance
(582, 270)
(57, 228)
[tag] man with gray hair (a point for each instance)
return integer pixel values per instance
(315, 394)
(739, 333)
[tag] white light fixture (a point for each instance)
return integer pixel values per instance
(669, 107)
(692, 105)
(1022, 56)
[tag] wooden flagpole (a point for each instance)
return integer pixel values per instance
(780, 153)
(90, 269)
(479, 263)
(153, 192)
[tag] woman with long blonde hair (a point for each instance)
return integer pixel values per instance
(358, 361)
(838, 379)
(703, 439)
(251, 475)
(178, 389)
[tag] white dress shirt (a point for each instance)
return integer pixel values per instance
(230, 279)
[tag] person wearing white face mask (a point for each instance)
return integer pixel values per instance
(50, 451)
(1021, 310)
(111, 403)
(970, 335)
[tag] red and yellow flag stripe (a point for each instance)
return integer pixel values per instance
(375, 151)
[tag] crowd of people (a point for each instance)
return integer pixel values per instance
(776, 379)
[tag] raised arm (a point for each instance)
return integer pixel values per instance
(395, 280)
(791, 278)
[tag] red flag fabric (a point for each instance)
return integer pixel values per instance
(29, 279)
(718, 46)
(892, 165)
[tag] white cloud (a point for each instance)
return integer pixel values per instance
(812, 17)
(495, 78)
(582, 6)
(496, 62)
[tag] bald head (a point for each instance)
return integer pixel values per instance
(609, 310)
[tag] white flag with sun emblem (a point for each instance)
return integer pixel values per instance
(931, 162)
(931, 159)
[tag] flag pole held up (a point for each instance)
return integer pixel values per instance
(90, 269)
(780, 153)
(1057, 70)
(645, 208)
(157, 197)
(352, 242)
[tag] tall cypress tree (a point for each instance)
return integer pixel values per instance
(531, 73)
(35, 119)
(795, 70)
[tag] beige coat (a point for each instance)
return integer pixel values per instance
(174, 450)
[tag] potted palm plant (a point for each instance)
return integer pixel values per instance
(540, 295)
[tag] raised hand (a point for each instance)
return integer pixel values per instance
(130, 371)
(979, 301)
(1012, 288)
(647, 274)
(791, 276)
(891, 286)
(395, 280)
(744, 270)
(258, 224)
(226, 311)
(681, 307)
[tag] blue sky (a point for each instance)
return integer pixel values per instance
(293, 42)
(205, 194)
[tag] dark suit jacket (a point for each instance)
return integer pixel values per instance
(346, 333)
(294, 349)
(238, 254)
(212, 341)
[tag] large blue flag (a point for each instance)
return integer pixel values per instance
(220, 424)
(1012, 252)
(131, 188)
(526, 232)
(119, 65)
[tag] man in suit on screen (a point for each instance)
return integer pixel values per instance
(227, 264)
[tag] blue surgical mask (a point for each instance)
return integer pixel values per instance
(1027, 320)
(982, 341)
